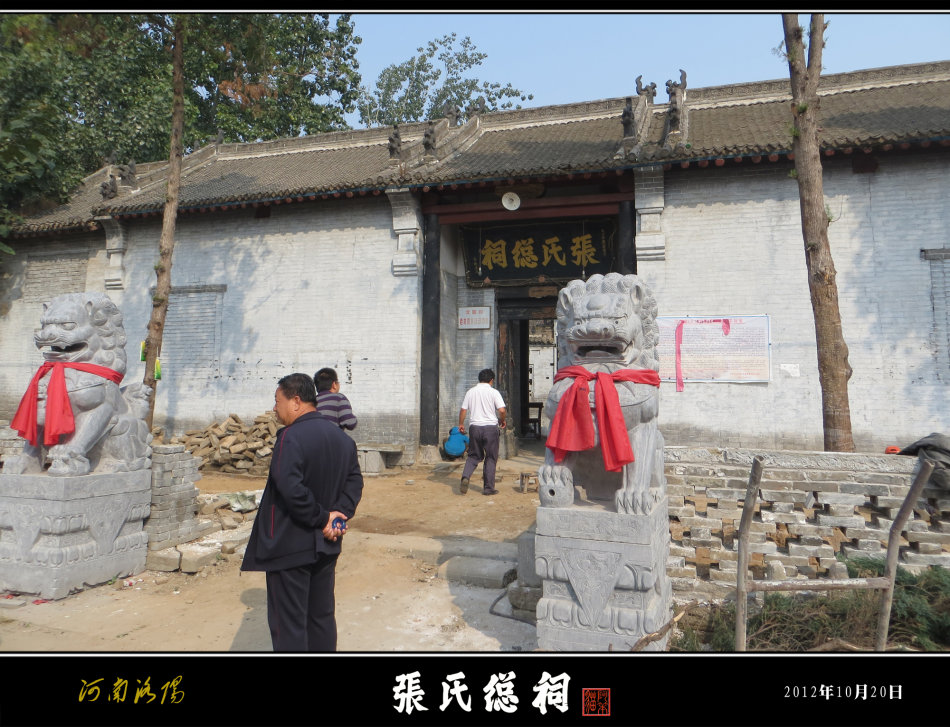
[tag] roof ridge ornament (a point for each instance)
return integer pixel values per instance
(395, 146)
(477, 108)
(109, 188)
(677, 118)
(429, 141)
(451, 112)
(635, 120)
(648, 91)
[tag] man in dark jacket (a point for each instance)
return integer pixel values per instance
(314, 478)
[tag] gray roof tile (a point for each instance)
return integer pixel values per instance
(864, 108)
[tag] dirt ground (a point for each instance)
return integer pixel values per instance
(386, 602)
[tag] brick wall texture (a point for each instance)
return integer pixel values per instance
(812, 506)
(312, 285)
(734, 246)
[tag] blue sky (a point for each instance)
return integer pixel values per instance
(568, 57)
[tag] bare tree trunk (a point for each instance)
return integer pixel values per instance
(833, 367)
(163, 269)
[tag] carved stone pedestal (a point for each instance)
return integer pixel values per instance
(60, 534)
(604, 577)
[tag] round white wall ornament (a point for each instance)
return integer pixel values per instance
(510, 201)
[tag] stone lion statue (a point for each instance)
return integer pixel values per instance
(607, 338)
(83, 344)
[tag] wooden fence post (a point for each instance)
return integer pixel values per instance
(887, 597)
(748, 508)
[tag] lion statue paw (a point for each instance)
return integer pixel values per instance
(67, 463)
(555, 486)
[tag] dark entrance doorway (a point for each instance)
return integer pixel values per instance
(523, 313)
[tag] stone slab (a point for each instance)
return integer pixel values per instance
(195, 556)
(481, 572)
(62, 534)
(61, 489)
(596, 523)
(230, 540)
(527, 574)
(432, 551)
(166, 560)
(604, 576)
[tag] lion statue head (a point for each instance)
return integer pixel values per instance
(607, 319)
(82, 328)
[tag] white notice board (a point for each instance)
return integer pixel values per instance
(475, 317)
(714, 348)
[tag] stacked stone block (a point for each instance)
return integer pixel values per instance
(602, 578)
(173, 516)
(10, 442)
(62, 534)
(811, 507)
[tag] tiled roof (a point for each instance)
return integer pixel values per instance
(862, 109)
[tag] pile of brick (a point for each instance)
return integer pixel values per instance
(232, 445)
(173, 516)
(10, 442)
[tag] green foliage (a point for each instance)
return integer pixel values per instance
(920, 612)
(33, 119)
(687, 640)
(79, 88)
(264, 76)
(418, 88)
(920, 616)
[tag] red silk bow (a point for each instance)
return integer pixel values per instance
(573, 427)
(59, 412)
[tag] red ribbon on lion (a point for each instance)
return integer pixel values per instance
(573, 427)
(59, 412)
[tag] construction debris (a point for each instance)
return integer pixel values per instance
(232, 446)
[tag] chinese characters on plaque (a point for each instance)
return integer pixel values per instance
(557, 250)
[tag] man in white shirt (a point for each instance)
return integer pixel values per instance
(487, 413)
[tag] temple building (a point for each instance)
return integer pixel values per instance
(408, 259)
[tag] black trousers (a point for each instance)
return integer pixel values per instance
(482, 444)
(301, 606)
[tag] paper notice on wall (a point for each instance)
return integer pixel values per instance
(714, 348)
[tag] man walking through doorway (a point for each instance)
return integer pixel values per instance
(488, 413)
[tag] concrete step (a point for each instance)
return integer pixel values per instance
(434, 551)
(465, 560)
(481, 572)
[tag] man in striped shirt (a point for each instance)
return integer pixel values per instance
(330, 402)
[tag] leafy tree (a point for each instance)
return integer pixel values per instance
(418, 88)
(33, 120)
(80, 88)
(265, 76)
(834, 371)
(271, 89)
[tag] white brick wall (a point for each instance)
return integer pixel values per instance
(475, 348)
(734, 247)
(312, 286)
(297, 299)
(60, 267)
